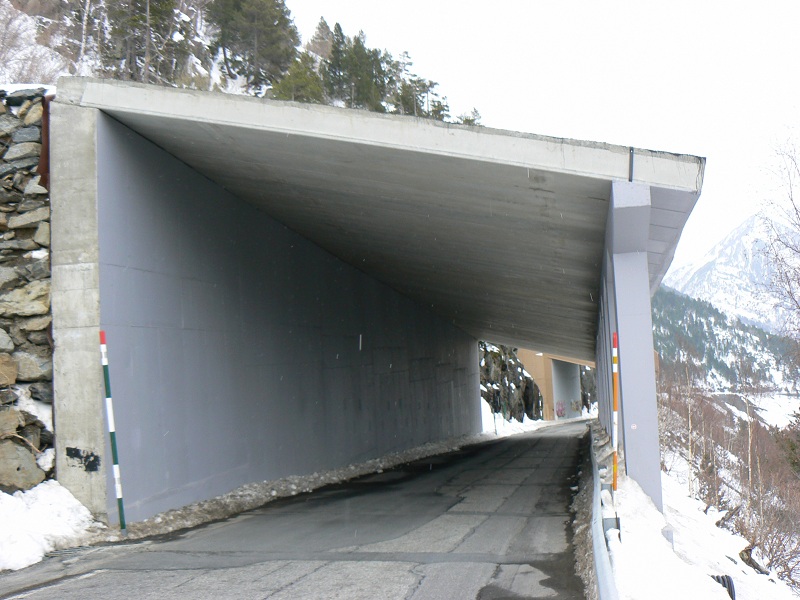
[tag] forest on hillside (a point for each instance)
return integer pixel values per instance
(712, 350)
(248, 46)
(714, 372)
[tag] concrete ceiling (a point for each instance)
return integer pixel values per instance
(501, 233)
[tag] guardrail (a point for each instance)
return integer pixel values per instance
(606, 586)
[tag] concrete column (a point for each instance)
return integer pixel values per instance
(540, 368)
(629, 231)
(566, 389)
(77, 375)
(548, 393)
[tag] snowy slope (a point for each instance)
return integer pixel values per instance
(733, 276)
(647, 566)
(22, 58)
(722, 353)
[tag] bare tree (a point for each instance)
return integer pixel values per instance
(21, 58)
(783, 245)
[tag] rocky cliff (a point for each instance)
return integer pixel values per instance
(506, 385)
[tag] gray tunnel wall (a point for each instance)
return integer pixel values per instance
(241, 352)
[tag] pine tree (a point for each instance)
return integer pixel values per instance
(368, 76)
(473, 118)
(440, 109)
(406, 99)
(322, 40)
(354, 74)
(414, 95)
(334, 68)
(222, 14)
(257, 37)
(302, 83)
(145, 42)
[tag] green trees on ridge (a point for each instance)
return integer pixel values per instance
(248, 45)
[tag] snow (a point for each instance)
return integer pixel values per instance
(21, 57)
(41, 252)
(734, 275)
(496, 424)
(10, 88)
(646, 565)
(41, 410)
(776, 409)
(38, 521)
(46, 460)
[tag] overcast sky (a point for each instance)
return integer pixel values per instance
(715, 79)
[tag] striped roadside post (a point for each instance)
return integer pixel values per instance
(615, 418)
(112, 432)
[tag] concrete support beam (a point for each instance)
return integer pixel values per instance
(628, 234)
(77, 377)
(639, 421)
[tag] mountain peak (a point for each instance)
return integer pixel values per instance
(735, 275)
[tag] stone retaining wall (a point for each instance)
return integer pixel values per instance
(26, 343)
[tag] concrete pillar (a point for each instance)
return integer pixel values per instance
(77, 377)
(541, 369)
(629, 226)
(566, 389)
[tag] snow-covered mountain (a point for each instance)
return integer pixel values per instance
(734, 276)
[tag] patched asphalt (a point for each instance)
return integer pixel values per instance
(488, 522)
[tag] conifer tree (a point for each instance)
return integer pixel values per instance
(368, 77)
(145, 40)
(258, 39)
(141, 37)
(334, 68)
(440, 109)
(354, 74)
(321, 42)
(302, 83)
(473, 118)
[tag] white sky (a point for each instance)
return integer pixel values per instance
(713, 78)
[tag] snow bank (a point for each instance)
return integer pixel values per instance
(494, 425)
(714, 550)
(38, 521)
(646, 565)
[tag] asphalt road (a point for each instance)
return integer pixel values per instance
(489, 522)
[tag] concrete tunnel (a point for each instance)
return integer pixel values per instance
(291, 288)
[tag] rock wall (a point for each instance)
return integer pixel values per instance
(26, 343)
(506, 385)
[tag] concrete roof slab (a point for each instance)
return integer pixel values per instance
(500, 232)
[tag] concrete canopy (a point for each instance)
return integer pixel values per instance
(502, 233)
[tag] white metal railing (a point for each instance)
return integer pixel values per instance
(606, 586)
